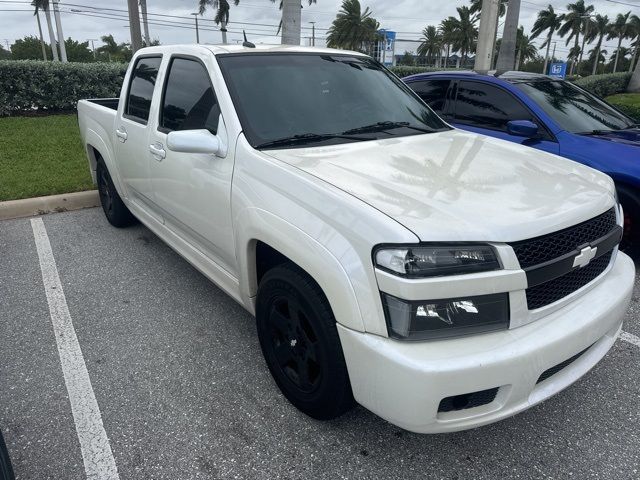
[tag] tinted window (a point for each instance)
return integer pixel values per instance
(141, 87)
(487, 106)
(279, 96)
(189, 101)
(574, 109)
(433, 92)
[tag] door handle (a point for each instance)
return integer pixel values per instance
(121, 133)
(157, 151)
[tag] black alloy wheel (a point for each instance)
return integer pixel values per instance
(300, 343)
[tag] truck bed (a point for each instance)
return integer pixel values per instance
(111, 103)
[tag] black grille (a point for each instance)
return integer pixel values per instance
(542, 249)
(467, 400)
(554, 290)
(553, 370)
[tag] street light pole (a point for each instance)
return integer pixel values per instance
(313, 34)
(195, 15)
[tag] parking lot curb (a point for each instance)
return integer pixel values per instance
(29, 207)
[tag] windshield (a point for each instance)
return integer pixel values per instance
(293, 100)
(574, 109)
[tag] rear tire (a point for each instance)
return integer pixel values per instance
(300, 343)
(114, 208)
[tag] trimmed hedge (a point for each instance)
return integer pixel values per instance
(605, 85)
(30, 85)
(406, 70)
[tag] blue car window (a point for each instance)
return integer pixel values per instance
(486, 106)
(574, 109)
(433, 92)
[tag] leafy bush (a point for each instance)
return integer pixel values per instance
(605, 85)
(628, 103)
(31, 85)
(406, 70)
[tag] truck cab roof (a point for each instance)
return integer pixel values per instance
(240, 49)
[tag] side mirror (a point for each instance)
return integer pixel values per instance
(522, 128)
(194, 141)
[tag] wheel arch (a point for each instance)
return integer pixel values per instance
(264, 240)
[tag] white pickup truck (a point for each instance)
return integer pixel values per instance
(442, 279)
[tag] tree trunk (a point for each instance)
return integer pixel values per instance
(573, 62)
(52, 37)
(518, 60)
(584, 39)
(597, 59)
(134, 25)
(635, 54)
(507, 54)
(63, 49)
(634, 84)
(223, 30)
(546, 56)
(145, 22)
(44, 49)
(291, 17)
(615, 63)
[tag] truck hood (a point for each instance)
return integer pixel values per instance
(458, 186)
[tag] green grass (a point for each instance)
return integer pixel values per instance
(41, 156)
(629, 103)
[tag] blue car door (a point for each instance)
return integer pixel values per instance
(486, 109)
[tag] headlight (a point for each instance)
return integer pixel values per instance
(429, 261)
(431, 319)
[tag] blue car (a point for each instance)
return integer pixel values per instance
(545, 113)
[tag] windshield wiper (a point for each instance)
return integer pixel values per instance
(381, 126)
(596, 132)
(302, 138)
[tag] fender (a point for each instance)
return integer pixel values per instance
(254, 224)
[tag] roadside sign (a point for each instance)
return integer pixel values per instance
(558, 70)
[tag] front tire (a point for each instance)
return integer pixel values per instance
(630, 201)
(114, 208)
(300, 343)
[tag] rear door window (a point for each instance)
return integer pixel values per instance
(486, 106)
(433, 92)
(189, 102)
(141, 85)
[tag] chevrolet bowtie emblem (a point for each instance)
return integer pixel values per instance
(584, 257)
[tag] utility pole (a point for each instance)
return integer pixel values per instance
(195, 15)
(507, 54)
(44, 49)
(145, 22)
(488, 22)
(93, 47)
(63, 49)
(313, 34)
(134, 25)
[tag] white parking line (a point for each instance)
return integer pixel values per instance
(99, 463)
(630, 338)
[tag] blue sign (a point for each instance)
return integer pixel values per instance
(386, 45)
(558, 70)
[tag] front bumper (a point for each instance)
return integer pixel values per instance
(404, 382)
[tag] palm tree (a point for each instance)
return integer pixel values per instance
(600, 29)
(447, 27)
(431, 45)
(145, 22)
(634, 83)
(549, 20)
(352, 28)
(222, 13)
(44, 5)
(634, 34)
(42, 44)
(525, 50)
(291, 18)
(597, 55)
(111, 49)
(620, 30)
(573, 25)
(476, 9)
(464, 34)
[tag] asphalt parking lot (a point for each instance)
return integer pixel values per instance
(183, 391)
